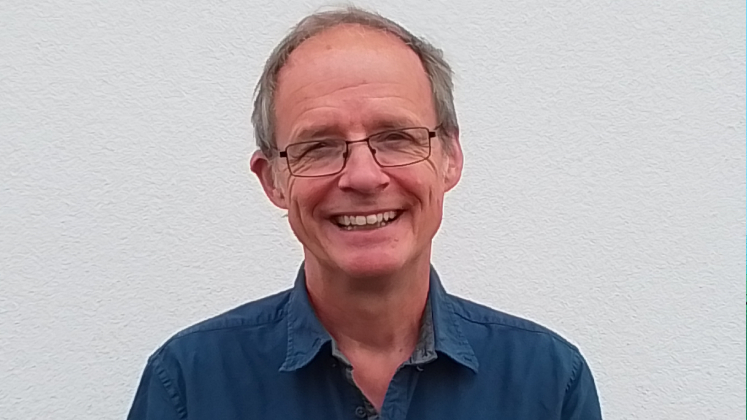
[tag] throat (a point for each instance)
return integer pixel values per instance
(373, 379)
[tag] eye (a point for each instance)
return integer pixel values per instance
(395, 136)
(314, 149)
(317, 146)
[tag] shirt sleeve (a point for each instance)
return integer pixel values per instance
(155, 399)
(581, 401)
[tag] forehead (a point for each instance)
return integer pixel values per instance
(351, 77)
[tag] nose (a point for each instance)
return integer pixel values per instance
(361, 172)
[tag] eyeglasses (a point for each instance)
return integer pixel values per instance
(391, 148)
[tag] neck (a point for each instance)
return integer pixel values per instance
(378, 315)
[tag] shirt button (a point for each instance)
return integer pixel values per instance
(360, 412)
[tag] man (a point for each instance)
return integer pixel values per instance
(358, 141)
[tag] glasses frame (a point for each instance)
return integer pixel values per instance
(431, 134)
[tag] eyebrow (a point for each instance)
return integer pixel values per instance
(334, 130)
(316, 131)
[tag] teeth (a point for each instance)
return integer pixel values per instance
(371, 219)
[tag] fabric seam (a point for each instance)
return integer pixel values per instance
(574, 373)
(516, 327)
(169, 387)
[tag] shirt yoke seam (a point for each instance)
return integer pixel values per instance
(239, 323)
(551, 334)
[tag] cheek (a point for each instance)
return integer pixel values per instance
(427, 189)
(303, 197)
(432, 182)
(296, 197)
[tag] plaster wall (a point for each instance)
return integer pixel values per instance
(603, 194)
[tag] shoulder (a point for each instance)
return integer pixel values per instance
(528, 358)
(203, 357)
(251, 321)
(487, 323)
(267, 310)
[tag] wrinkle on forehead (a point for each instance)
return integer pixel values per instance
(353, 71)
(349, 66)
(371, 113)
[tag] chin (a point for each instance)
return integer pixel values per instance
(370, 266)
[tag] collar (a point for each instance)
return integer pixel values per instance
(306, 335)
(450, 339)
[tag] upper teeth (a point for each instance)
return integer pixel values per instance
(370, 219)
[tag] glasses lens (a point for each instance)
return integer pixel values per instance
(316, 158)
(402, 147)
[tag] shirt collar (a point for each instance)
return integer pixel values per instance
(450, 339)
(306, 335)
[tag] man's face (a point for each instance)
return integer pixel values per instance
(350, 82)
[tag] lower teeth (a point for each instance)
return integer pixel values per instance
(378, 225)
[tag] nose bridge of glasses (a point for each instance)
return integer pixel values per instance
(349, 147)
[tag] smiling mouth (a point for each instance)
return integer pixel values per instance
(366, 222)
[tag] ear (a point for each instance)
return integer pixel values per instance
(262, 167)
(454, 160)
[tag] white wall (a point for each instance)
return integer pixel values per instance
(603, 194)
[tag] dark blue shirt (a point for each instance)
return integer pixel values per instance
(272, 359)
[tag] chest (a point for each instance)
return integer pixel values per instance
(438, 391)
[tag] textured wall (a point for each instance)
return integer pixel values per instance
(603, 193)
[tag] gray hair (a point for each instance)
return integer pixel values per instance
(438, 70)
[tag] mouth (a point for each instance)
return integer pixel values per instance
(366, 221)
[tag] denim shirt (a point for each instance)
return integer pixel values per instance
(424, 352)
(272, 359)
